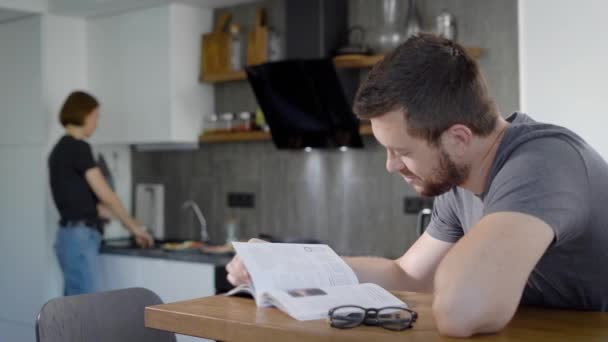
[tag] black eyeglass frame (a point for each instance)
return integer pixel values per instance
(370, 317)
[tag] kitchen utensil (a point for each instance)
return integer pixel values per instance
(216, 48)
(257, 42)
(354, 42)
(412, 24)
(446, 25)
(237, 57)
(150, 208)
(390, 34)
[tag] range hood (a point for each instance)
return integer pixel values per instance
(304, 104)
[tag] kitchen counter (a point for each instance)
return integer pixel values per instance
(158, 253)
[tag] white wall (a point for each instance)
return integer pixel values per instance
(37, 6)
(23, 247)
(564, 65)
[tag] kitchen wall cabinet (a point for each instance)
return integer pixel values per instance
(172, 280)
(142, 66)
(21, 83)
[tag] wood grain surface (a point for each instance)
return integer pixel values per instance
(238, 319)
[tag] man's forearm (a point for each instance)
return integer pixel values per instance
(386, 273)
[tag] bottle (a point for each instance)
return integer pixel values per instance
(446, 25)
(236, 48)
(232, 227)
(412, 27)
(274, 50)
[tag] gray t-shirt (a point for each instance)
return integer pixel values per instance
(550, 173)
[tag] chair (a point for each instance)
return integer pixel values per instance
(116, 316)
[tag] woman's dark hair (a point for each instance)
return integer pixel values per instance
(435, 83)
(76, 108)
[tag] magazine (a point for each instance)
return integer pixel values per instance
(305, 280)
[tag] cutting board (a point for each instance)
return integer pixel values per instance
(257, 40)
(216, 48)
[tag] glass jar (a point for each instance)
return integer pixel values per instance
(210, 122)
(244, 122)
(225, 122)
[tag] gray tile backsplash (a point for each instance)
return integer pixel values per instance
(347, 200)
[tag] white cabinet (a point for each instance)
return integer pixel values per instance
(22, 113)
(171, 280)
(143, 67)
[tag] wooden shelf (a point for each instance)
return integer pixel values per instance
(224, 77)
(219, 137)
(234, 136)
(343, 62)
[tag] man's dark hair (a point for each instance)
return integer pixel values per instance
(77, 106)
(435, 83)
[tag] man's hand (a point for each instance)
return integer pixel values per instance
(237, 272)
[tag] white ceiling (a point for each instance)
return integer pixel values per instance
(92, 8)
(6, 15)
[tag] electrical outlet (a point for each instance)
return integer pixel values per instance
(413, 205)
(241, 200)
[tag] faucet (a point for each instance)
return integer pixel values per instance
(199, 217)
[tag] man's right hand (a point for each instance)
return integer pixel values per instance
(237, 272)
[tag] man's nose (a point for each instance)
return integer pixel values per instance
(393, 163)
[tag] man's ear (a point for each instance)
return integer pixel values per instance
(457, 139)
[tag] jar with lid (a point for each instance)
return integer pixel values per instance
(244, 121)
(225, 122)
(210, 122)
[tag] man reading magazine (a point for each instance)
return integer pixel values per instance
(519, 215)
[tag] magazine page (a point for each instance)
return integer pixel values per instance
(243, 288)
(314, 303)
(288, 266)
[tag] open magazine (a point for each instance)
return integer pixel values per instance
(305, 280)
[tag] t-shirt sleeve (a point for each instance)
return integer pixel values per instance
(444, 224)
(545, 178)
(83, 157)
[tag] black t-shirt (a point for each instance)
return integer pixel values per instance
(68, 162)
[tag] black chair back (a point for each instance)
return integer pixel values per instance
(116, 316)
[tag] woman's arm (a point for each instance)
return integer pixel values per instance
(109, 199)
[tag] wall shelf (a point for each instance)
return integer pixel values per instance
(220, 137)
(343, 62)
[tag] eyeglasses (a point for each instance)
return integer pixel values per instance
(392, 317)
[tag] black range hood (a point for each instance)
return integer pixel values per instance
(304, 104)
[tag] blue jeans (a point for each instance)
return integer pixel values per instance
(77, 249)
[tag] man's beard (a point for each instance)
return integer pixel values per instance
(446, 176)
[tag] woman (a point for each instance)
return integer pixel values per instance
(83, 197)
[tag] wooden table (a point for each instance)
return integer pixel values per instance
(238, 319)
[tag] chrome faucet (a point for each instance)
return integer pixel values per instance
(199, 217)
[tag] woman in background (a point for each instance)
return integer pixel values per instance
(83, 197)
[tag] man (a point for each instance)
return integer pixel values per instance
(519, 215)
